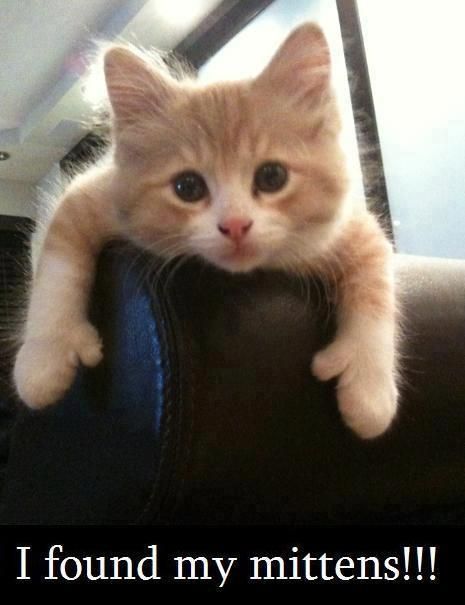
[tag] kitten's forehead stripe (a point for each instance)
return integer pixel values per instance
(224, 126)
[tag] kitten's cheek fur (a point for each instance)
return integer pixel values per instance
(45, 367)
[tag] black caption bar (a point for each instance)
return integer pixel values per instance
(222, 558)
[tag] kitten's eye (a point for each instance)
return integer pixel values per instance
(190, 186)
(270, 177)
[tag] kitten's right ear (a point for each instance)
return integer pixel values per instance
(135, 87)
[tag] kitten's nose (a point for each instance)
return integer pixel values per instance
(235, 227)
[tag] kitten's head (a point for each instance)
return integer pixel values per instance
(244, 174)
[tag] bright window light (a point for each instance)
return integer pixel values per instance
(246, 55)
(94, 90)
(415, 53)
(179, 13)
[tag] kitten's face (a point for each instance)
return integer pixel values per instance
(244, 175)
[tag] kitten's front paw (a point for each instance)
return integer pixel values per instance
(366, 390)
(332, 361)
(368, 404)
(45, 367)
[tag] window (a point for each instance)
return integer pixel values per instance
(415, 53)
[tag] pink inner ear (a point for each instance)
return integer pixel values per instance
(312, 73)
(133, 99)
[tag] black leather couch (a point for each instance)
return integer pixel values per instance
(205, 411)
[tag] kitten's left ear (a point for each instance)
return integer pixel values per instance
(301, 66)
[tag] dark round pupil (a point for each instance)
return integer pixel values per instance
(270, 177)
(190, 187)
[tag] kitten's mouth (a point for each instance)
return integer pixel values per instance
(244, 257)
(240, 251)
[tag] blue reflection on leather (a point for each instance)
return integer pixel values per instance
(136, 362)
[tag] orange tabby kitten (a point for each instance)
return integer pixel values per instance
(247, 174)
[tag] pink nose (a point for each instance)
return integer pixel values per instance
(235, 227)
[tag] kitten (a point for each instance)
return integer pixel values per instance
(246, 175)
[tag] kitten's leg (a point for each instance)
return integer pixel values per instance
(57, 334)
(363, 353)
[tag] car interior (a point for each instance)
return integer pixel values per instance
(204, 410)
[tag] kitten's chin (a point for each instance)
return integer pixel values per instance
(237, 266)
(238, 262)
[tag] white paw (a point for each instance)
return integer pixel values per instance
(332, 361)
(366, 390)
(45, 367)
(367, 404)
